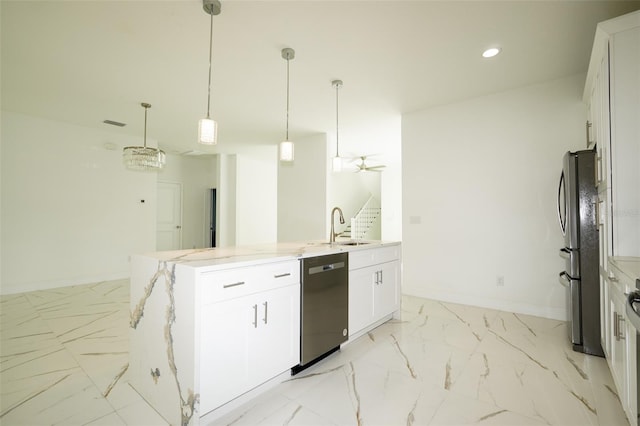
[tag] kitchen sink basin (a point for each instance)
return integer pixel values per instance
(347, 243)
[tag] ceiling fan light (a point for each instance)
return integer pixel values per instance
(336, 164)
(286, 151)
(207, 131)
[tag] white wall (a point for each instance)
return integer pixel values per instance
(71, 212)
(302, 192)
(257, 204)
(226, 218)
(197, 176)
(479, 197)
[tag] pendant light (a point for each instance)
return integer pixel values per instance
(207, 127)
(286, 146)
(143, 157)
(336, 163)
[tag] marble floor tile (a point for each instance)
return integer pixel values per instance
(64, 360)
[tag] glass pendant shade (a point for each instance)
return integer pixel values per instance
(286, 146)
(207, 131)
(286, 151)
(207, 127)
(336, 164)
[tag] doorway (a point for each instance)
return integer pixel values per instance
(169, 216)
(212, 218)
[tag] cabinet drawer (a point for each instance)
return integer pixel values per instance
(363, 258)
(237, 282)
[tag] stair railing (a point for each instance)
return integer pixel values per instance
(362, 222)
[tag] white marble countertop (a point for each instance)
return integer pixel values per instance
(629, 266)
(227, 257)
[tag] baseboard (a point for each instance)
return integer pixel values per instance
(489, 303)
(67, 282)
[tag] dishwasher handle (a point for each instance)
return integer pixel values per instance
(326, 268)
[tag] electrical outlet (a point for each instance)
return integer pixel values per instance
(500, 281)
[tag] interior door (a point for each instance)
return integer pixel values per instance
(169, 216)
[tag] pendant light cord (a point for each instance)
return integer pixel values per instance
(146, 107)
(287, 131)
(337, 138)
(210, 56)
(145, 127)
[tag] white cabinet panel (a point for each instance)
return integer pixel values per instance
(236, 282)
(374, 286)
(612, 94)
(386, 294)
(247, 341)
(361, 282)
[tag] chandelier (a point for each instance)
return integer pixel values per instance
(143, 157)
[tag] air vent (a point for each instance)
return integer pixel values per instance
(114, 123)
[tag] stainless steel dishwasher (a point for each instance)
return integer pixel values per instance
(324, 307)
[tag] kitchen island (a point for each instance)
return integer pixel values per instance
(210, 328)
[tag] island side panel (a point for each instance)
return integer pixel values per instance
(161, 338)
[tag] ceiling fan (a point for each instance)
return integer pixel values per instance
(363, 167)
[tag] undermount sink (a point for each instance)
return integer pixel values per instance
(351, 243)
(346, 243)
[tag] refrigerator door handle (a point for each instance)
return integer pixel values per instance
(563, 277)
(565, 254)
(562, 219)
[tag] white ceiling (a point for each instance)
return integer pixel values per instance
(86, 61)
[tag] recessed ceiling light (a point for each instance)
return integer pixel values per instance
(490, 53)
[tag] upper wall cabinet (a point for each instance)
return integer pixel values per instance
(612, 94)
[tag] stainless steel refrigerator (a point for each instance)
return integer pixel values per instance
(577, 199)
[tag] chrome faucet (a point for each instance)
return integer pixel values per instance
(332, 233)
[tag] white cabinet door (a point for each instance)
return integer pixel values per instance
(373, 294)
(618, 360)
(226, 331)
(605, 317)
(275, 345)
(361, 283)
(386, 294)
(247, 341)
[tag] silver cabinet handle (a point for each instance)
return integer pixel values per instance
(588, 129)
(378, 277)
(282, 275)
(266, 310)
(255, 316)
(233, 285)
(621, 327)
